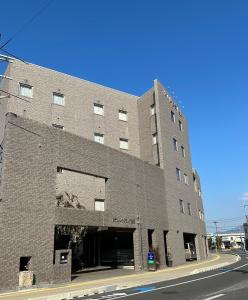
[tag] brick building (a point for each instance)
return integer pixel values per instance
(80, 157)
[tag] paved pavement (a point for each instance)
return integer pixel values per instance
(114, 281)
(226, 283)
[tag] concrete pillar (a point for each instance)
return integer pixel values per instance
(158, 245)
(140, 244)
(175, 244)
(206, 245)
(197, 247)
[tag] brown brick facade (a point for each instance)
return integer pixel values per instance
(138, 184)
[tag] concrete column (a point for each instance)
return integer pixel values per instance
(206, 245)
(197, 247)
(140, 244)
(158, 244)
(175, 244)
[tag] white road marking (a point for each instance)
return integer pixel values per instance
(214, 297)
(180, 283)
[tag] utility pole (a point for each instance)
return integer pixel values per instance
(245, 205)
(245, 209)
(216, 234)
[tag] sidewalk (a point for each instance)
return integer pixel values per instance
(105, 281)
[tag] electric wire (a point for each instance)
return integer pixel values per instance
(39, 12)
(14, 56)
(13, 95)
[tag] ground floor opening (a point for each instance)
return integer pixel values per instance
(189, 246)
(96, 248)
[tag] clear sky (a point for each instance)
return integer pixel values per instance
(198, 49)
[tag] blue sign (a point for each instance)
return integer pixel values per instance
(151, 256)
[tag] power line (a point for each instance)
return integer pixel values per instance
(14, 56)
(225, 220)
(39, 12)
(10, 94)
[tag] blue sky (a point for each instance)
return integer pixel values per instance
(199, 49)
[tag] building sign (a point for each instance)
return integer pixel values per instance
(151, 261)
(123, 220)
(151, 258)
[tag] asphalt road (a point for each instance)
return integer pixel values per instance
(229, 283)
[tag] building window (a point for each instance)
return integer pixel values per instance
(99, 205)
(180, 124)
(173, 117)
(178, 174)
(98, 109)
(154, 139)
(26, 90)
(152, 109)
(183, 151)
(175, 145)
(58, 126)
(58, 99)
(186, 179)
(99, 138)
(189, 209)
(123, 115)
(124, 144)
(181, 206)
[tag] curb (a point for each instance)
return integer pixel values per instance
(215, 267)
(77, 294)
(114, 287)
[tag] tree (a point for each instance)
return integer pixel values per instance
(70, 200)
(218, 242)
(210, 242)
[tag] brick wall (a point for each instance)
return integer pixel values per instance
(28, 212)
(77, 114)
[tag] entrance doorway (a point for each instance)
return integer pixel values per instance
(98, 248)
(189, 246)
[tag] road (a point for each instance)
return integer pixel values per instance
(230, 283)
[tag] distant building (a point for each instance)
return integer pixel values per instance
(102, 172)
(230, 239)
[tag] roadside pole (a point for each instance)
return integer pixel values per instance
(216, 235)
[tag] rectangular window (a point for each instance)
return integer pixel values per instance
(180, 124)
(186, 179)
(98, 109)
(178, 174)
(124, 144)
(154, 139)
(58, 99)
(181, 206)
(189, 209)
(152, 109)
(173, 118)
(99, 138)
(26, 90)
(58, 126)
(99, 205)
(175, 145)
(183, 151)
(123, 115)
